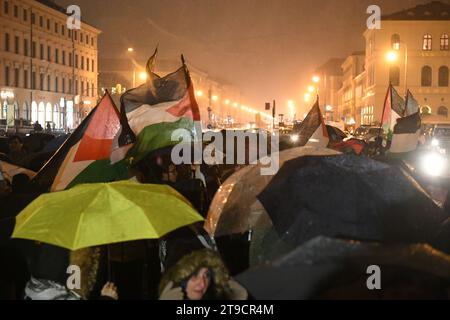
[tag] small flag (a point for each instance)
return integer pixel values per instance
(312, 131)
(406, 134)
(412, 106)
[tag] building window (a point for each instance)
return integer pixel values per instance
(41, 49)
(64, 85)
(16, 11)
(367, 115)
(49, 54)
(92, 65)
(62, 30)
(16, 77)
(6, 41)
(33, 18)
(70, 59)
(69, 33)
(25, 15)
(6, 75)
(41, 82)
(82, 63)
(33, 49)
(76, 87)
(426, 76)
(443, 76)
(395, 42)
(33, 80)
(81, 37)
(87, 39)
(444, 42)
(70, 86)
(427, 42)
(56, 84)
(92, 90)
(75, 35)
(443, 111)
(16, 45)
(49, 83)
(56, 27)
(394, 76)
(25, 79)
(25, 47)
(41, 21)
(82, 88)
(87, 64)
(76, 61)
(92, 41)
(64, 57)
(48, 24)
(6, 7)
(56, 55)
(87, 89)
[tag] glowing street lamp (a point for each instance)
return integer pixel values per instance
(311, 89)
(391, 56)
(307, 97)
(316, 79)
(199, 93)
(227, 102)
(130, 49)
(143, 76)
(214, 98)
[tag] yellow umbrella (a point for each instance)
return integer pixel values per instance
(102, 213)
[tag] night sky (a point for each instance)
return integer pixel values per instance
(267, 48)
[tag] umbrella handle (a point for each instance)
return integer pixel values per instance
(108, 257)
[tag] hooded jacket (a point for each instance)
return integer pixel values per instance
(219, 289)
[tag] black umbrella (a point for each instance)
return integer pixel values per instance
(325, 268)
(350, 197)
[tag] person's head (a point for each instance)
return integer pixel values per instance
(15, 144)
(198, 284)
(201, 274)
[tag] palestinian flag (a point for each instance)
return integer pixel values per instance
(394, 108)
(406, 134)
(412, 106)
(158, 107)
(312, 131)
(85, 156)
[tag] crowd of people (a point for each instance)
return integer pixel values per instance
(184, 264)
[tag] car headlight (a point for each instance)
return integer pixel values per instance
(435, 143)
(294, 137)
(434, 164)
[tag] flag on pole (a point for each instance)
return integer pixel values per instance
(412, 106)
(85, 156)
(312, 130)
(406, 134)
(158, 107)
(394, 108)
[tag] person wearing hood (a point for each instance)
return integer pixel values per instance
(49, 274)
(200, 275)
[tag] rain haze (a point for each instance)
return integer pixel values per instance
(269, 49)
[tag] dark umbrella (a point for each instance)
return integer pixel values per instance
(325, 268)
(351, 197)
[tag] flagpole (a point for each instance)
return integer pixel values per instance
(384, 109)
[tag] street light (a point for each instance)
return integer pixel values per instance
(143, 76)
(311, 89)
(316, 79)
(392, 56)
(307, 97)
(131, 50)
